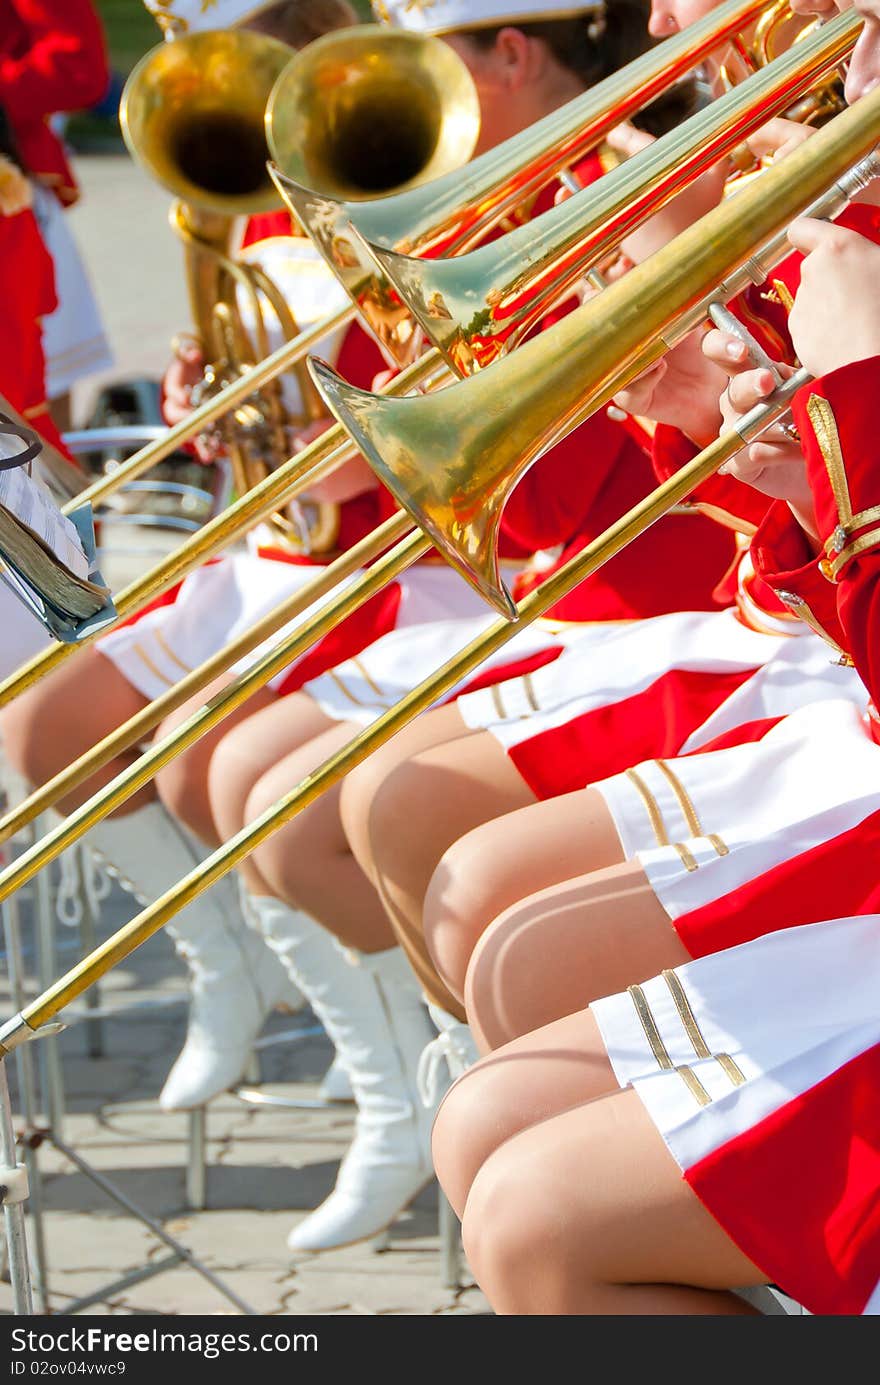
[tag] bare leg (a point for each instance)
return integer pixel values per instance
(492, 868)
(308, 863)
(64, 715)
(362, 785)
(529, 1080)
(565, 946)
(420, 793)
(248, 750)
(551, 1166)
(587, 1213)
(183, 784)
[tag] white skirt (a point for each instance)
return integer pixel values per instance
(74, 340)
(361, 689)
(616, 663)
(222, 600)
(704, 826)
(760, 1067)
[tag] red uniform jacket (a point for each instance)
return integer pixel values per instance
(778, 545)
(27, 288)
(52, 58)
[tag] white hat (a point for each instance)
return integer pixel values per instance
(444, 16)
(191, 16)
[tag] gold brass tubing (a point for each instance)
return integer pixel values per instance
(133, 730)
(227, 857)
(232, 394)
(329, 450)
(115, 793)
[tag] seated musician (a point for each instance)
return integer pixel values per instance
(307, 888)
(105, 685)
(742, 1042)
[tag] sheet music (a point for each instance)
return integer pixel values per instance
(31, 503)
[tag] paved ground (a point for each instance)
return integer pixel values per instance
(267, 1167)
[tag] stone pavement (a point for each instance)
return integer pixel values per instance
(267, 1168)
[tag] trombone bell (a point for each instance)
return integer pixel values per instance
(457, 501)
(367, 112)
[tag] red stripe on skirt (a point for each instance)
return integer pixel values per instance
(837, 879)
(653, 723)
(799, 1192)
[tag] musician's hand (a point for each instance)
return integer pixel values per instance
(699, 197)
(836, 315)
(182, 375)
(775, 464)
(778, 138)
(682, 389)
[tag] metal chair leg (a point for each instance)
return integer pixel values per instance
(197, 1161)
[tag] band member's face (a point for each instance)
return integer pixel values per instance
(863, 73)
(504, 76)
(671, 16)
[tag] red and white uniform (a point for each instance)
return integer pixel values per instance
(760, 1064)
(224, 598)
(566, 499)
(53, 59)
(562, 501)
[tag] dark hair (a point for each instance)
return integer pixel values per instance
(593, 45)
(298, 22)
(8, 142)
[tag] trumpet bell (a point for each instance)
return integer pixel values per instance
(369, 111)
(192, 113)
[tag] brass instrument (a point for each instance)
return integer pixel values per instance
(453, 459)
(776, 30)
(236, 520)
(494, 180)
(480, 305)
(496, 422)
(451, 214)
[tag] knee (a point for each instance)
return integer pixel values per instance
(508, 1223)
(466, 1131)
(41, 733)
(458, 905)
(359, 791)
(501, 999)
(178, 787)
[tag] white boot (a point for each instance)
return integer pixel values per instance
(336, 1085)
(371, 1008)
(453, 1048)
(236, 980)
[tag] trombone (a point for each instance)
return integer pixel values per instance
(606, 343)
(767, 90)
(616, 335)
(477, 307)
(495, 182)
